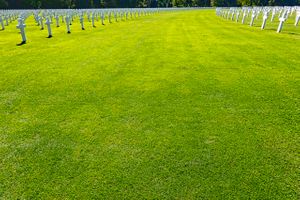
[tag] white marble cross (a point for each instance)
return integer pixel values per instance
(265, 17)
(244, 16)
(281, 21)
(2, 23)
(273, 14)
(36, 17)
(280, 11)
(68, 19)
(227, 14)
(71, 18)
(11, 18)
(89, 17)
(41, 23)
(6, 20)
(257, 14)
(252, 18)
(93, 20)
(224, 14)
(48, 23)
(109, 17)
(116, 16)
(297, 17)
(57, 20)
(232, 16)
(120, 15)
(102, 18)
(81, 19)
(21, 25)
(96, 17)
(237, 16)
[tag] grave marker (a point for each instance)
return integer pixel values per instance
(2, 24)
(252, 18)
(116, 16)
(244, 16)
(57, 20)
(82, 22)
(68, 24)
(297, 18)
(265, 17)
(232, 16)
(21, 25)
(281, 21)
(41, 23)
(93, 20)
(237, 16)
(48, 23)
(89, 17)
(6, 20)
(102, 18)
(109, 17)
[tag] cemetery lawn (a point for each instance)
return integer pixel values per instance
(179, 105)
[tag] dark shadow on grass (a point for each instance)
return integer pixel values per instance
(22, 43)
(291, 33)
(282, 32)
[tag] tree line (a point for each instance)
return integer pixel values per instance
(29, 4)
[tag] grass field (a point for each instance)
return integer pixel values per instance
(179, 105)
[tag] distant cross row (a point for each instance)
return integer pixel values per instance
(46, 18)
(283, 13)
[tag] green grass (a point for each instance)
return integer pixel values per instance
(179, 105)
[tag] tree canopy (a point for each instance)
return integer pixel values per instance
(26, 4)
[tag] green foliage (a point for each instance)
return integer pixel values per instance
(3, 4)
(222, 3)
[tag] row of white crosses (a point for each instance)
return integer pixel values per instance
(7, 17)
(67, 16)
(21, 25)
(45, 17)
(283, 13)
